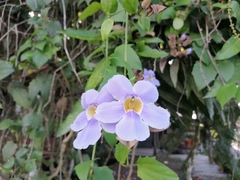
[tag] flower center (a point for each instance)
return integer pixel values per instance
(133, 103)
(150, 78)
(91, 110)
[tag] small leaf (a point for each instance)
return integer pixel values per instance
(8, 150)
(20, 96)
(37, 120)
(39, 58)
(110, 138)
(35, 5)
(109, 6)
(27, 55)
(90, 10)
(130, 6)
(144, 23)
(65, 125)
(168, 13)
(225, 93)
(150, 169)
(6, 123)
(5, 69)
(174, 71)
(178, 23)
(80, 34)
(82, 170)
(40, 44)
(21, 152)
(9, 164)
(30, 165)
(24, 46)
(152, 53)
(229, 49)
(103, 173)
(183, 3)
(106, 28)
(121, 153)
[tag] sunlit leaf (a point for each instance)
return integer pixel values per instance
(90, 10)
(82, 170)
(225, 93)
(121, 153)
(149, 169)
(183, 3)
(144, 23)
(110, 138)
(109, 6)
(5, 69)
(103, 173)
(106, 28)
(130, 6)
(237, 95)
(178, 23)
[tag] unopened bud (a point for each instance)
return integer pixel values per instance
(145, 4)
(189, 51)
(183, 37)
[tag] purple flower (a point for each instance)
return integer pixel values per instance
(189, 51)
(87, 126)
(149, 75)
(183, 37)
(134, 111)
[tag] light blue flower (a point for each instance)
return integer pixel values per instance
(88, 127)
(149, 75)
(134, 111)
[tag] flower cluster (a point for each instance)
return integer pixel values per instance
(129, 111)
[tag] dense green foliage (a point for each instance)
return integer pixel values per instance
(52, 51)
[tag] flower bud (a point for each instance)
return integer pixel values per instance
(145, 4)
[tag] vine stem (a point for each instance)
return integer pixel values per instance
(126, 42)
(106, 50)
(93, 157)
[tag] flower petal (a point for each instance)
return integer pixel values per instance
(155, 82)
(146, 91)
(109, 127)
(155, 117)
(131, 127)
(120, 87)
(88, 98)
(104, 96)
(109, 112)
(80, 122)
(88, 136)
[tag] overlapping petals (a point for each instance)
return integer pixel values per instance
(149, 75)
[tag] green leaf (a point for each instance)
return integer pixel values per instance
(97, 75)
(6, 123)
(53, 27)
(5, 69)
(120, 15)
(209, 73)
(27, 55)
(106, 28)
(121, 153)
(65, 125)
(109, 6)
(168, 13)
(226, 69)
(110, 138)
(183, 3)
(9, 164)
(103, 173)
(225, 93)
(198, 50)
(150, 169)
(21, 152)
(229, 49)
(130, 6)
(237, 95)
(87, 59)
(40, 44)
(210, 106)
(39, 58)
(80, 34)
(37, 120)
(132, 58)
(174, 72)
(82, 170)
(178, 23)
(35, 5)
(30, 165)
(8, 150)
(214, 89)
(27, 119)
(90, 10)
(149, 40)
(20, 96)
(24, 46)
(152, 53)
(144, 23)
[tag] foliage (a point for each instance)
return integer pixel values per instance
(53, 51)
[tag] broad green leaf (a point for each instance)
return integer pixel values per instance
(27, 55)
(20, 96)
(225, 93)
(130, 6)
(37, 120)
(237, 95)
(21, 152)
(65, 125)
(120, 15)
(203, 76)
(226, 69)
(30, 165)
(8, 150)
(97, 75)
(132, 58)
(53, 27)
(168, 13)
(28, 119)
(5, 69)
(82, 170)
(103, 173)
(214, 89)
(236, 13)
(152, 53)
(150, 169)
(40, 44)
(9, 164)
(121, 153)
(39, 58)
(110, 138)
(220, 5)
(198, 50)
(6, 123)
(24, 46)
(90, 10)
(35, 5)
(37, 154)
(106, 28)
(229, 49)
(183, 3)
(174, 72)
(210, 106)
(80, 34)
(144, 23)
(109, 6)
(178, 23)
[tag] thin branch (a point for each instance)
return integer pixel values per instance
(132, 161)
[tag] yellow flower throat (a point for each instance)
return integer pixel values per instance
(133, 103)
